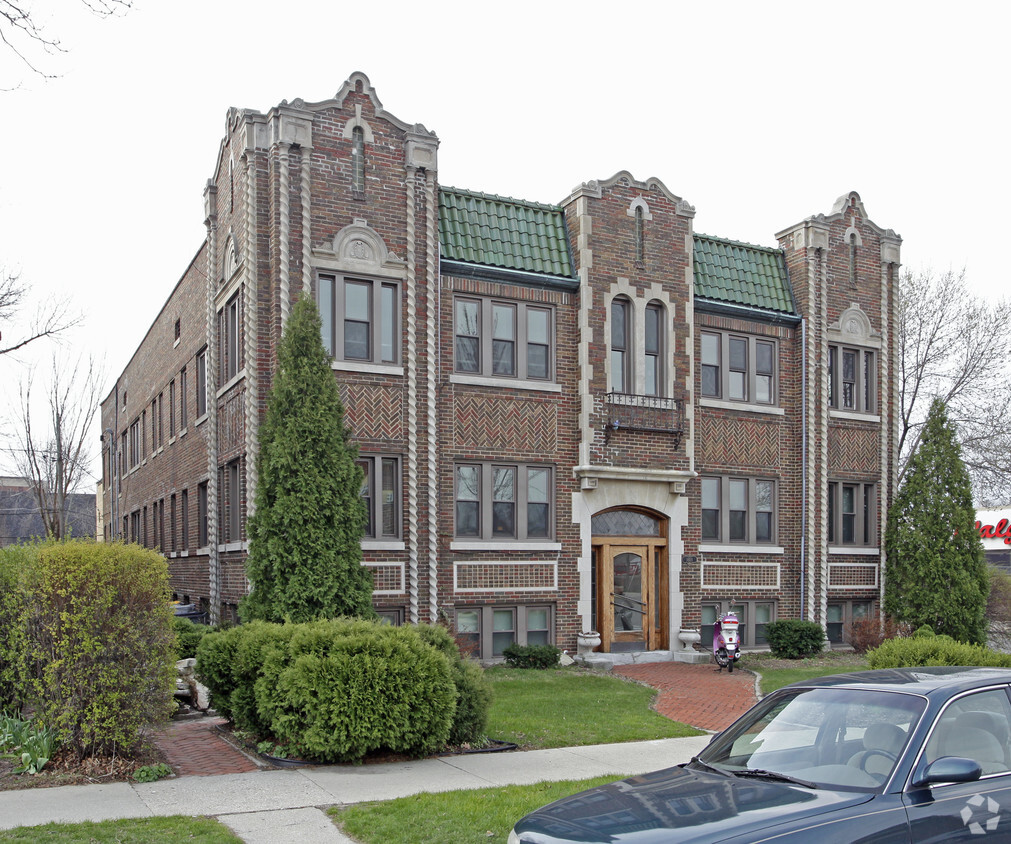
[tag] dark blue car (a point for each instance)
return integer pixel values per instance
(902, 755)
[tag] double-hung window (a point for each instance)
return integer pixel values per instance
(738, 510)
(738, 367)
(201, 383)
(621, 335)
(754, 616)
(231, 348)
(654, 351)
(381, 494)
(503, 339)
(360, 319)
(503, 501)
(485, 632)
(851, 381)
(851, 514)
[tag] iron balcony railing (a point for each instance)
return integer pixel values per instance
(629, 412)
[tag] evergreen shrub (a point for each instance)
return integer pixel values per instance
(473, 691)
(934, 650)
(188, 636)
(924, 631)
(229, 662)
(340, 689)
(794, 638)
(86, 641)
(531, 656)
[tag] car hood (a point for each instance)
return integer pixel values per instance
(678, 805)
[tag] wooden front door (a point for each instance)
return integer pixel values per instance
(632, 596)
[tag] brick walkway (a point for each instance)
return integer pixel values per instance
(698, 695)
(194, 748)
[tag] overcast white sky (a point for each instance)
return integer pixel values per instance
(759, 114)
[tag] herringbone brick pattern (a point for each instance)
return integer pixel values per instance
(487, 423)
(854, 449)
(739, 441)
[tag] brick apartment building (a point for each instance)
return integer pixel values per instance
(570, 417)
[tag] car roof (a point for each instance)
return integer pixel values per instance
(922, 680)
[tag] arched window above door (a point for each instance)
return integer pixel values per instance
(625, 523)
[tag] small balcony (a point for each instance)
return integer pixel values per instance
(629, 412)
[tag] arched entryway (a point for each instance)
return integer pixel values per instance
(631, 580)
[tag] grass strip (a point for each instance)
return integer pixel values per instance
(571, 707)
(482, 815)
(173, 828)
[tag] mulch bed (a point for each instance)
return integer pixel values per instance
(66, 769)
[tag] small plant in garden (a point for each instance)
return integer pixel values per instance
(870, 631)
(30, 744)
(793, 638)
(150, 773)
(531, 656)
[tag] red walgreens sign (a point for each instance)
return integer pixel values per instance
(1002, 530)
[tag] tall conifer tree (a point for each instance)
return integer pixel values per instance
(935, 571)
(305, 537)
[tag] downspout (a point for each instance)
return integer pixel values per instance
(803, 463)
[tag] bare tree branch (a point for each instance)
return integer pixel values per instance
(50, 321)
(52, 449)
(956, 347)
(22, 34)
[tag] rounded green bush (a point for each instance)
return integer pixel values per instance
(188, 636)
(933, 650)
(87, 640)
(925, 631)
(794, 638)
(473, 691)
(338, 690)
(229, 662)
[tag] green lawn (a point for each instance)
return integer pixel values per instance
(776, 673)
(566, 707)
(138, 831)
(462, 817)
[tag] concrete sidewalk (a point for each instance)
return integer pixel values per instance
(285, 805)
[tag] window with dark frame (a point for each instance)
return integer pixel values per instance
(201, 383)
(852, 511)
(183, 416)
(654, 375)
(185, 508)
(621, 332)
(503, 339)
(738, 367)
(754, 617)
(360, 318)
(202, 535)
(851, 377)
(503, 501)
(381, 492)
(172, 523)
(485, 632)
(358, 162)
(838, 614)
(229, 326)
(738, 510)
(172, 408)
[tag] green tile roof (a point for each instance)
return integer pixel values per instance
(736, 273)
(509, 234)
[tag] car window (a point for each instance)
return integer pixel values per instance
(978, 727)
(838, 738)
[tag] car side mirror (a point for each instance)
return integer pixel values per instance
(949, 769)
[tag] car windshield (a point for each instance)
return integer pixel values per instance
(835, 738)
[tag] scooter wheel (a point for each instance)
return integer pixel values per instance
(722, 659)
(730, 666)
